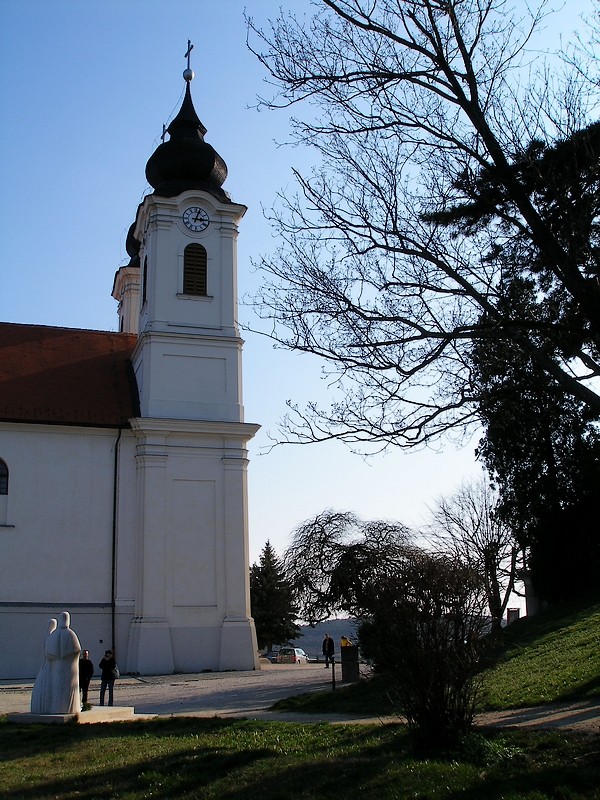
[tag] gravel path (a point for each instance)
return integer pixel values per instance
(250, 695)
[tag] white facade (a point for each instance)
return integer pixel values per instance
(57, 542)
(188, 359)
(141, 530)
(181, 595)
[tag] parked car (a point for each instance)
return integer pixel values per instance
(272, 656)
(292, 655)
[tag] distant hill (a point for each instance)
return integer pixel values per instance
(312, 638)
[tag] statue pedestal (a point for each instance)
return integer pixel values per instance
(95, 714)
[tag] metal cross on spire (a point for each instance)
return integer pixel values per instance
(188, 73)
(188, 52)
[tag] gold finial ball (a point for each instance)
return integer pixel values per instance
(188, 74)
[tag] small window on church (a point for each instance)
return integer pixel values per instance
(3, 477)
(194, 270)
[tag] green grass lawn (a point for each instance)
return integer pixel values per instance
(197, 758)
(553, 657)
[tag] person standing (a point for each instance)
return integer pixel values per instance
(328, 650)
(86, 670)
(108, 665)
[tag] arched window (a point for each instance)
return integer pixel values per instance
(3, 477)
(194, 270)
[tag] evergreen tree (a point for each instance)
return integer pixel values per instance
(541, 442)
(542, 447)
(273, 608)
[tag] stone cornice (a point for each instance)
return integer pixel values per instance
(143, 426)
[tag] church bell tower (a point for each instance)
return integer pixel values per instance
(192, 605)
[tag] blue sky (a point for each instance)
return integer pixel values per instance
(85, 87)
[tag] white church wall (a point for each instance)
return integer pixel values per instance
(60, 499)
(58, 555)
(201, 554)
(126, 524)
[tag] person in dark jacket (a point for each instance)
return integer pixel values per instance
(86, 670)
(108, 665)
(328, 650)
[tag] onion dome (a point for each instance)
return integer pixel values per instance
(132, 245)
(186, 161)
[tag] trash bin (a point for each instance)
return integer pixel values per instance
(350, 667)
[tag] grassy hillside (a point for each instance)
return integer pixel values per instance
(549, 658)
(552, 657)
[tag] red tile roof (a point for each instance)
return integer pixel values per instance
(66, 376)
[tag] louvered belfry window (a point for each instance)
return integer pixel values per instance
(194, 270)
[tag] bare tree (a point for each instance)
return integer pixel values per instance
(466, 526)
(408, 102)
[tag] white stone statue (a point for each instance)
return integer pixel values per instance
(42, 688)
(58, 692)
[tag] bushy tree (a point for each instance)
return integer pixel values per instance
(271, 600)
(540, 442)
(563, 180)
(423, 628)
(420, 614)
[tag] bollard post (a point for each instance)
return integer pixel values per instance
(333, 673)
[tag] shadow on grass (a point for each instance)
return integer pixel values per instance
(224, 759)
(538, 766)
(174, 775)
(39, 739)
(368, 696)
(184, 758)
(588, 689)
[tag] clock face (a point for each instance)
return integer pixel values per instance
(196, 219)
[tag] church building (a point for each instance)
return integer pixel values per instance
(123, 456)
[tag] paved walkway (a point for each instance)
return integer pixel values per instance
(251, 694)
